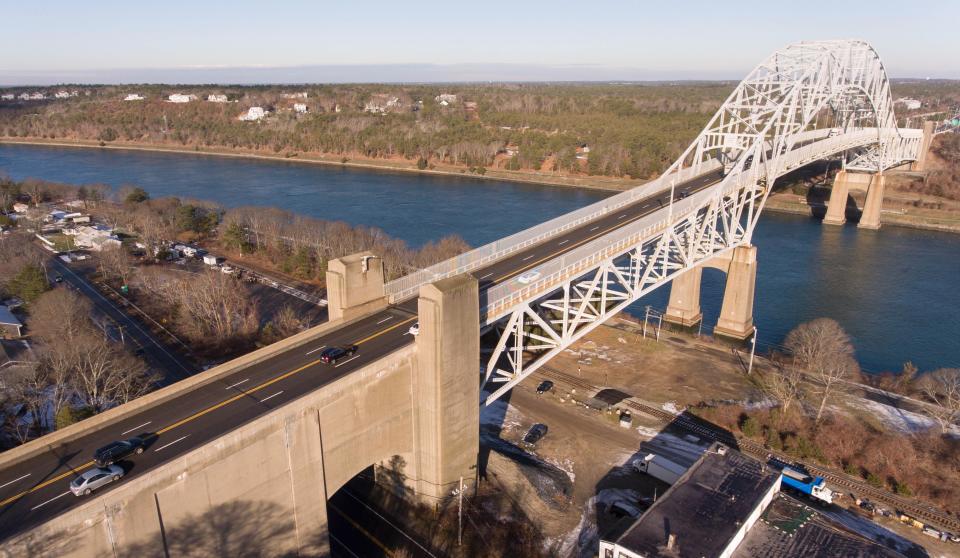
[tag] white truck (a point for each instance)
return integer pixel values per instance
(659, 467)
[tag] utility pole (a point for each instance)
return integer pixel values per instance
(645, 318)
(460, 513)
(753, 349)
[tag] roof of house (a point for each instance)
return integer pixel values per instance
(7, 317)
(704, 509)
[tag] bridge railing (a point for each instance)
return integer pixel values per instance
(409, 285)
(500, 299)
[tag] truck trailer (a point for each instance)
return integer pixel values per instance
(659, 467)
(814, 487)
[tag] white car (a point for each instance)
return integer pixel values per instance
(529, 277)
(414, 329)
(95, 478)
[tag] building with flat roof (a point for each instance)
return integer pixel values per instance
(706, 513)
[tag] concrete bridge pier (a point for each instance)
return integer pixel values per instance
(870, 218)
(446, 387)
(837, 206)
(921, 163)
(736, 313)
(355, 286)
(684, 306)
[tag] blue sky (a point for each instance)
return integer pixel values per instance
(242, 41)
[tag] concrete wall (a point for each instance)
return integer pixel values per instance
(260, 489)
(355, 286)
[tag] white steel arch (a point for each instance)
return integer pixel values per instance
(806, 102)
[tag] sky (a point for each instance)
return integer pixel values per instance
(203, 41)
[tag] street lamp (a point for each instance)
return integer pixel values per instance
(753, 349)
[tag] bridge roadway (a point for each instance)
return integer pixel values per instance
(37, 489)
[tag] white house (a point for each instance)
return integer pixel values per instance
(95, 237)
(300, 95)
(908, 103)
(133, 97)
(181, 98)
(381, 103)
(445, 99)
(254, 114)
(300, 107)
(217, 98)
(7, 96)
(62, 95)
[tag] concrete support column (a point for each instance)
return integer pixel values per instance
(837, 206)
(921, 163)
(446, 385)
(684, 307)
(870, 219)
(355, 286)
(736, 314)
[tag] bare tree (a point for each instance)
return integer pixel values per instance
(115, 262)
(783, 384)
(942, 388)
(824, 349)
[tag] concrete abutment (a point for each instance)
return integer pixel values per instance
(355, 286)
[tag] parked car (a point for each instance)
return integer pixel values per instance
(113, 452)
(58, 278)
(535, 434)
(93, 479)
(414, 329)
(529, 277)
(544, 387)
(331, 355)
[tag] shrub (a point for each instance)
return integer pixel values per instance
(749, 427)
(874, 480)
(901, 488)
(68, 415)
(421, 163)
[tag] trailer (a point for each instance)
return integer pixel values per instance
(814, 487)
(659, 467)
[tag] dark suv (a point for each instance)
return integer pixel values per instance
(333, 354)
(115, 451)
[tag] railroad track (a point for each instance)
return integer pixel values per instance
(713, 432)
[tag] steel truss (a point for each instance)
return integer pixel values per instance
(818, 93)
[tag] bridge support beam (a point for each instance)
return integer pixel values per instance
(355, 286)
(921, 163)
(684, 306)
(870, 218)
(736, 313)
(446, 387)
(837, 206)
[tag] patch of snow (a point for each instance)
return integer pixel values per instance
(583, 540)
(501, 414)
(901, 420)
(671, 407)
(565, 465)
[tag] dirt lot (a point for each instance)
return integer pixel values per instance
(587, 449)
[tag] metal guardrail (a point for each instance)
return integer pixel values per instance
(503, 297)
(409, 285)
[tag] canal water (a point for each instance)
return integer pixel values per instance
(896, 291)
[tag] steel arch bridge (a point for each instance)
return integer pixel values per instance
(806, 102)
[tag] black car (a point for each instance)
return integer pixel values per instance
(113, 452)
(544, 387)
(535, 434)
(332, 354)
(58, 278)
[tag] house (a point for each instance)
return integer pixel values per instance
(300, 108)
(10, 326)
(381, 103)
(55, 216)
(8, 96)
(583, 151)
(253, 114)
(908, 103)
(445, 99)
(20, 207)
(301, 95)
(62, 95)
(133, 97)
(210, 259)
(93, 237)
(217, 98)
(181, 98)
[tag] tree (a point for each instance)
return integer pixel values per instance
(942, 388)
(783, 384)
(115, 262)
(135, 194)
(29, 283)
(109, 134)
(824, 349)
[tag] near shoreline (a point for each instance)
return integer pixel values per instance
(593, 183)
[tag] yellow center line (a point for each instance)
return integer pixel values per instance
(363, 531)
(569, 248)
(205, 411)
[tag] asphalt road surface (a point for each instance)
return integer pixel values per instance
(37, 489)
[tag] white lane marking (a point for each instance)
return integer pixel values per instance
(136, 428)
(594, 228)
(346, 361)
(388, 522)
(237, 384)
(621, 217)
(170, 444)
(271, 396)
(564, 242)
(487, 275)
(50, 500)
(317, 349)
(528, 257)
(387, 319)
(15, 480)
(341, 543)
